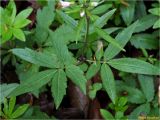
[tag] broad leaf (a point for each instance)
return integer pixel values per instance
(146, 41)
(35, 82)
(144, 108)
(92, 70)
(12, 103)
(127, 12)
(108, 38)
(133, 95)
(108, 82)
(145, 22)
(37, 58)
(147, 85)
(122, 38)
(76, 75)
(5, 90)
(21, 23)
(133, 65)
(59, 85)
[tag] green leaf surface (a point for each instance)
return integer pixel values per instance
(77, 76)
(60, 47)
(122, 38)
(146, 41)
(35, 82)
(133, 65)
(19, 111)
(147, 85)
(46, 16)
(18, 33)
(12, 103)
(155, 11)
(106, 115)
(6, 89)
(23, 14)
(101, 21)
(67, 19)
(108, 82)
(133, 95)
(145, 23)
(156, 24)
(144, 108)
(21, 23)
(127, 12)
(59, 85)
(37, 58)
(92, 70)
(108, 38)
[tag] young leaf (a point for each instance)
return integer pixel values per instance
(106, 115)
(108, 82)
(92, 70)
(147, 85)
(35, 82)
(76, 75)
(12, 103)
(108, 38)
(23, 14)
(157, 24)
(37, 58)
(59, 85)
(6, 90)
(21, 23)
(94, 89)
(19, 111)
(154, 11)
(18, 33)
(144, 108)
(127, 12)
(122, 38)
(134, 65)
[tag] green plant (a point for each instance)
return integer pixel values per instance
(12, 24)
(119, 108)
(10, 112)
(77, 41)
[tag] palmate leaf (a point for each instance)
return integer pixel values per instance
(37, 58)
(76, 75)
(35, 82)
(60, 47)
(59, 85)
(133, 65)
(147, 85)
(122, 38)
(108, 82)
